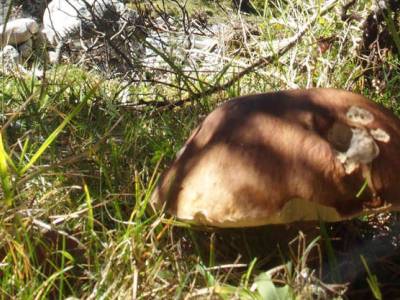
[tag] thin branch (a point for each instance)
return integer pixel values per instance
(289, 43)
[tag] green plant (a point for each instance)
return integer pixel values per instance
(372, 281)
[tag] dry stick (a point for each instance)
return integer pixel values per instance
(290, 42)
(49, 228)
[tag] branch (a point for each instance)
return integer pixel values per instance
(289, 43)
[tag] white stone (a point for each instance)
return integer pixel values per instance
(17, 31)
(61, 18)
(64, 19)
(9, 55)
(10, 63)
(53, 57)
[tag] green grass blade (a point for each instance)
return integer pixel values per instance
(372, 280)
(42, 291)
(90, 208)
(5, 175)
(362, 189)
(10, 162)
(250, 270)
(23, 152)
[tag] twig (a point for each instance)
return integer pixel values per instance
(47, 227)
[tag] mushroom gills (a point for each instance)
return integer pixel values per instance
(294, 210)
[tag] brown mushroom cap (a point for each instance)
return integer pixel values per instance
(283, 157)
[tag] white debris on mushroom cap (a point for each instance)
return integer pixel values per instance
(380, 135)
(363, 149)
(359, 115)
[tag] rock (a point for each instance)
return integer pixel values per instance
(64, 19)
(9, 56)
(18, 31)
(61, 19)
(53, 57)
(10, 61)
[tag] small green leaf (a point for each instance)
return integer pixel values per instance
(268, 290)
(67, 255)
(90, 208)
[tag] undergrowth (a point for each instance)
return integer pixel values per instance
(77, 168)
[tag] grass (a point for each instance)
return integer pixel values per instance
(77, 169)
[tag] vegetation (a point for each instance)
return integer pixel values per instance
(78, 165)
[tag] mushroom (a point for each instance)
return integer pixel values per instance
(287, 156)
